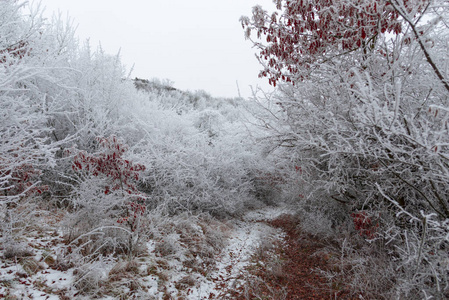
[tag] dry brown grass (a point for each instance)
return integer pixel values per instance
(185, 283)
(124, 269)
(31, 266)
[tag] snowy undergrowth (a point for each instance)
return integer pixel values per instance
(32, 270)
(187, 257)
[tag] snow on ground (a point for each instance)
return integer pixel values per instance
(29, 275)
(35, 276)
(267, 213)
(244, 238)
(238, 255)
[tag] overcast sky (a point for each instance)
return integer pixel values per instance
(198, 44)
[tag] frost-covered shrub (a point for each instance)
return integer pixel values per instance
(90, 278)
(196, 161)
(107, 199)
(368, 126)
(199, 177)
(210, 122)
(25, 148)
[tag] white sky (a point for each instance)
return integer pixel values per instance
(198, 44)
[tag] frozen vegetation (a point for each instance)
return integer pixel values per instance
(114, 187)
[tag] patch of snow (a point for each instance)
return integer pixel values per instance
(267, 213)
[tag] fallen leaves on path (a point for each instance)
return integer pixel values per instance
(297, 276)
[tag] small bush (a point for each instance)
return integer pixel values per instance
(16, 250)
(90, 278)
(31, 266)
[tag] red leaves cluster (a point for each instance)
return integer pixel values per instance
(134, 212)
(18, 50)
(364, 224)
(312, 30)
(123, 173)
(271, 179)
(22, 179)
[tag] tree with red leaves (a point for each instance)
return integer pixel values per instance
(308, 33)
(107, 198)
(120, 176)
(121, 173)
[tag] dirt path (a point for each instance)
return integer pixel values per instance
(232, 264)
(302, 262)
(289, 269)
